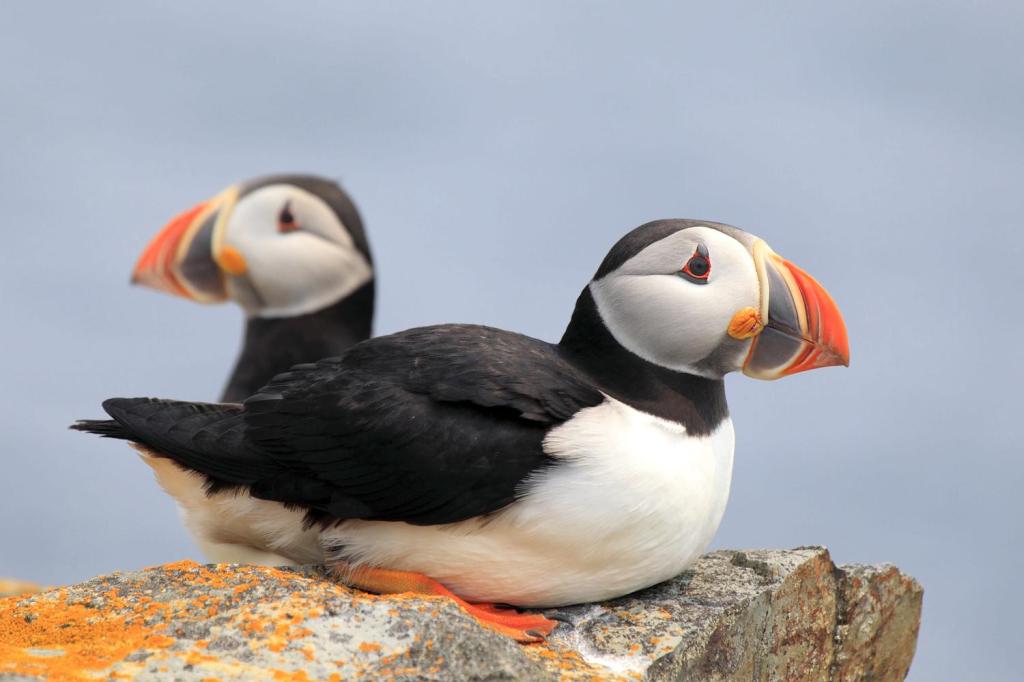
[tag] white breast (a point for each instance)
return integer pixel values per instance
(632, 501)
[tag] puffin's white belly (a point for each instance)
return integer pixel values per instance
(631, 501)
(233, 527)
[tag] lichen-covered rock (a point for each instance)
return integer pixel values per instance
(764, 615)
(878, 618)
(756, 615)
(13, 588)
(190, 622)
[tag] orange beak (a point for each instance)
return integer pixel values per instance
(803, 328)
(182, 259)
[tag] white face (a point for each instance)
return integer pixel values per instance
(674, 319)
(298, 256)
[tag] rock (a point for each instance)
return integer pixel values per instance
(879, 613)
(765, 615)
(757, 615)
(12, 588)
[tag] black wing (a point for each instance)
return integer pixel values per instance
(428, 426)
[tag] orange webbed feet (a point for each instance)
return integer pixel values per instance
(522, 627)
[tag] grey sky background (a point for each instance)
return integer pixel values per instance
(496, 151)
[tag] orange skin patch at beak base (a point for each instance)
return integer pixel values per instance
(745, 324)
(231, 261)
(522, 627)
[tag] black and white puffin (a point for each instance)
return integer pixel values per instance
(292, 252)
(507, 469)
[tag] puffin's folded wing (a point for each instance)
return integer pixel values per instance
(429, 426)
(487, 367)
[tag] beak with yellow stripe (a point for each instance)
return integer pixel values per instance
(279, 246)
(189, 258)
(797, 327)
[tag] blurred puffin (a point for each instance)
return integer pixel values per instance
(507, 469)
(292, 252)
(289, 249)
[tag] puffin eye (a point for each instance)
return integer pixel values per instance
(698, 268)
(286, 220)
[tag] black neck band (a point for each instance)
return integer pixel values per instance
(693, 401)
(272, 345)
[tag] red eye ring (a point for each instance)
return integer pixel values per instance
(698, 268)
(286, 220)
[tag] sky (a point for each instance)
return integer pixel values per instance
(496, 151)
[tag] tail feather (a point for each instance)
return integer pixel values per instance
(107, 428)
(205, 437)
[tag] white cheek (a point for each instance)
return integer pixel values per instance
(668, 320)
(296, 274)
(661, 318)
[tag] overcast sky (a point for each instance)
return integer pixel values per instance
(496, 151)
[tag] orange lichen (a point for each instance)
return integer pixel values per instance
(87, 632)
(58, 637)
(52, 638)
(195, 658)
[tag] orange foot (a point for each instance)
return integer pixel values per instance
(522, 627)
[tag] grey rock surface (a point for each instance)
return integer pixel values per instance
(754, 615)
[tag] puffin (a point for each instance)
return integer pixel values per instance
(291, 250)
(504, 471)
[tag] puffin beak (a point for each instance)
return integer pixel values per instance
(803, 328)
(187, 257)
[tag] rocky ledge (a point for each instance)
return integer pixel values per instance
(12, 588)
(753, 615)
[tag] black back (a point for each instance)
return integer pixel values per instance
(428, 426)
